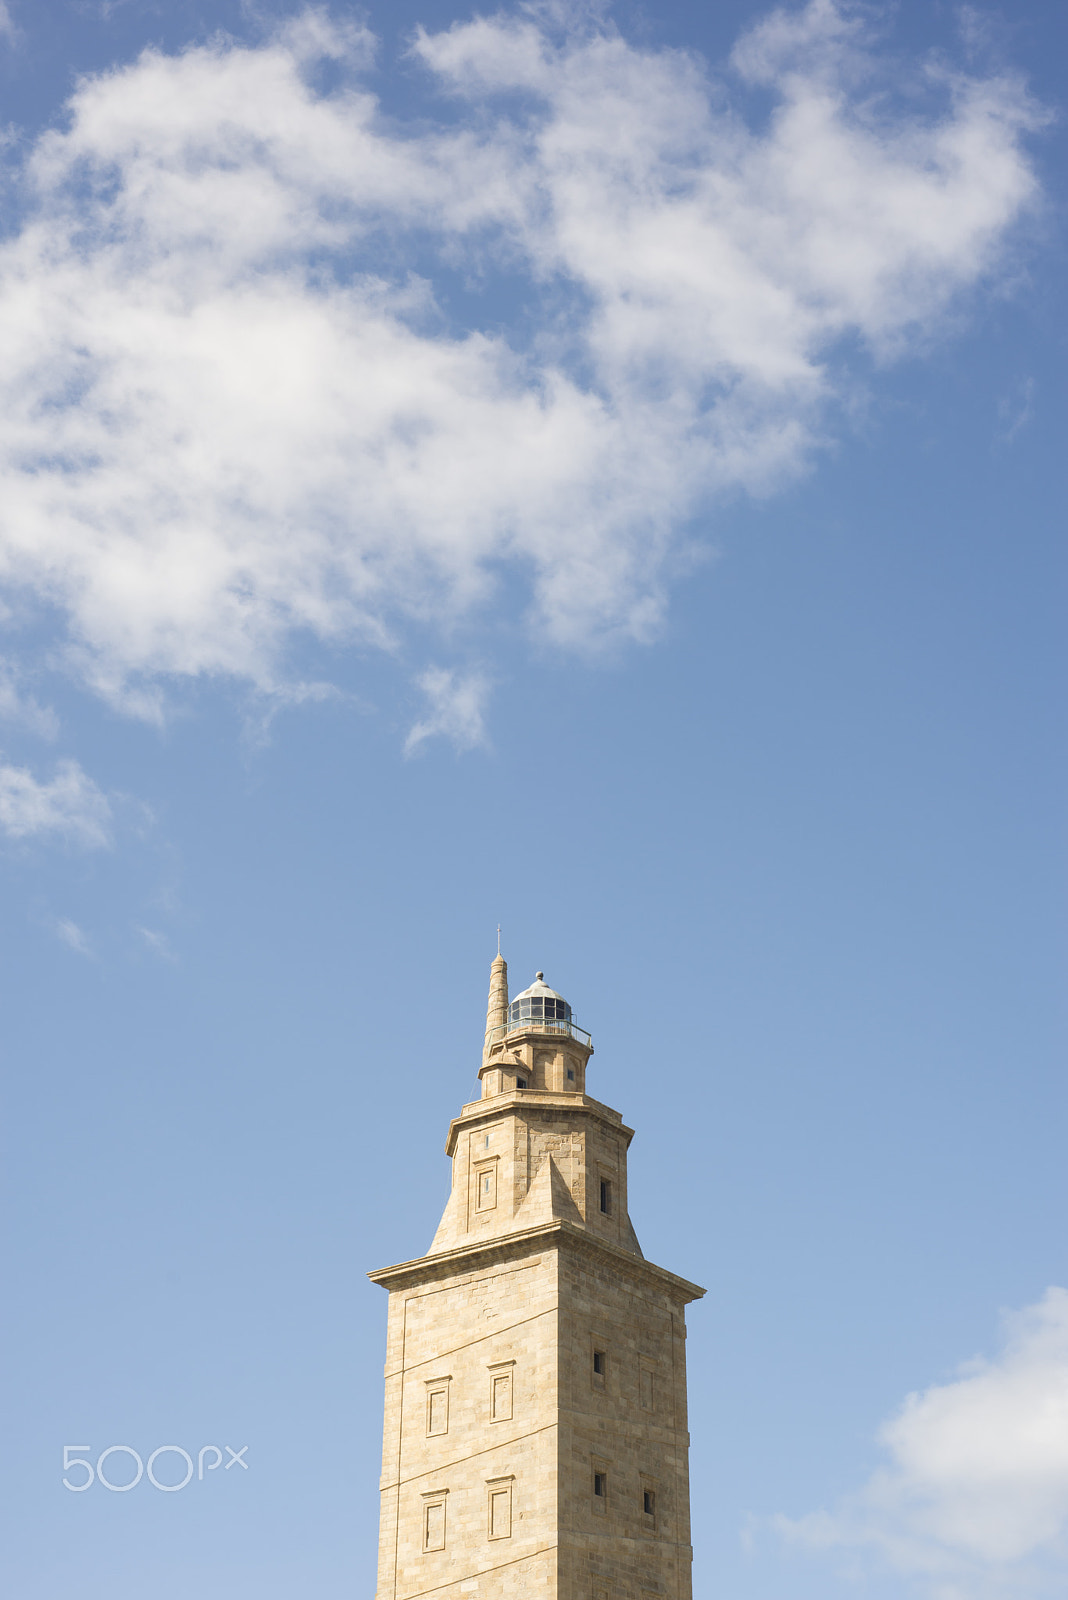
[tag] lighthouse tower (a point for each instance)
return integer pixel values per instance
(535, 1443)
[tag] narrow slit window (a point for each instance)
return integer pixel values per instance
(606, 1197)
(487, 1188)
(649, 1503)
(600, 1363)
(600, 1484)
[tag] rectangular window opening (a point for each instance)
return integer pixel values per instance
(600, 1484)
(501, 1397)
(600, 1363)
(434, 1525)
(606, 1197)
(500, 1512)
(649, 1503)
(437, 1406)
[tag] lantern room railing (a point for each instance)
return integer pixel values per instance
(555, 1025)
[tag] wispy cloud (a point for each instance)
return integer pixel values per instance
(158, 943)
(1016, 409)
(7, 24)
(457, 709)
(18, 706)
(974, 1502)
(72, 936)
(264, 709)
(70, 806)
(234, 417)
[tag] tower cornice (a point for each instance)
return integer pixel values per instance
(447, 1263)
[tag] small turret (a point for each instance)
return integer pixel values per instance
(497, 1005)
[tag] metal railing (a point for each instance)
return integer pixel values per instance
(539, 1025)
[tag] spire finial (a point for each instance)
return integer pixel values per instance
(498, 938)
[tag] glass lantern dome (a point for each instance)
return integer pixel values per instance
(538, 1004)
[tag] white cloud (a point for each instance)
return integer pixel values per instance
(235, 417)
(7, 25)
(457, 709)
(974, 1502)
(70, 805)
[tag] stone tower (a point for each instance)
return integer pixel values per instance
(535, 1439)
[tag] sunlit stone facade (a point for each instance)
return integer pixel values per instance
(535, 1440)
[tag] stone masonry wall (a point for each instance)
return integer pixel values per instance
(625, 1423)
(470, 1438)
(510, 1388)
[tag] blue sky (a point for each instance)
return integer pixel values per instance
(598, 471)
